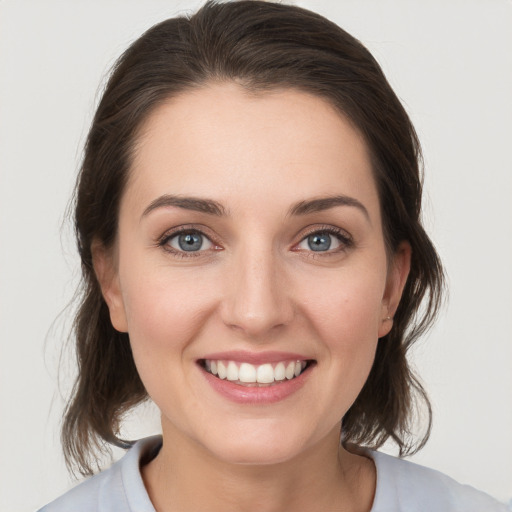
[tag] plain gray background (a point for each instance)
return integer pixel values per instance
(449, 62)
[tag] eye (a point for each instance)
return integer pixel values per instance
(331, 240)
(187, 241)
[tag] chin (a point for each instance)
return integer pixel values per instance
(266, 445)
(256, 455)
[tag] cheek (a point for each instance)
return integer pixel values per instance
(345, 314)
(165, 314)
(163, 309)
(347, 304)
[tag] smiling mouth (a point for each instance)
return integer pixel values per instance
(251, 375)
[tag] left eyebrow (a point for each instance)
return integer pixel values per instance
(326, 203)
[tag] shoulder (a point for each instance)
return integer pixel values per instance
(405, 486)
(84, 496)
(117, 489)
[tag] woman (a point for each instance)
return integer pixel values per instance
(247, 215)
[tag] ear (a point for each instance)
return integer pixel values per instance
(105, 268)
(399, 268)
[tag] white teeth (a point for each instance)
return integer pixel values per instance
(247, 373)
(251, 374)
(232, 371)
(265, 374)
(279, 371)
(290, 371)
(221, 370)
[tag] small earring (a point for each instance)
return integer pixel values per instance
(388, 318)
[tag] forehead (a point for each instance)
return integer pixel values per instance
(278, 146)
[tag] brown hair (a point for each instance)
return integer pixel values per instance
(261, 46)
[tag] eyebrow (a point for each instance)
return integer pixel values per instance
(212, 207)
(187, 203)
(325, 203)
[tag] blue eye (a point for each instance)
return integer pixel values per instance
(325, 241)
(189, 242)
(319, 242)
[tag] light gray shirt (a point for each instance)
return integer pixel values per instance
(402, 486)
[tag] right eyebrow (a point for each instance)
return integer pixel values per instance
(187, 203)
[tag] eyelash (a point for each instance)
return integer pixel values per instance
(346, 241)
(183, 230)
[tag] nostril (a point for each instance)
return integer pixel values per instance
(257, 303)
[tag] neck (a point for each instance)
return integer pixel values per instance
(186, 477)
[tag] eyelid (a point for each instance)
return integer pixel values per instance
(163, 240)
(343, 236)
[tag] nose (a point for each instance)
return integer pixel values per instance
(257, 301)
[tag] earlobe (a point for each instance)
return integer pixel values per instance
(398, 273)
(108, 279)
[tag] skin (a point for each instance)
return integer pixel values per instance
(256, 285)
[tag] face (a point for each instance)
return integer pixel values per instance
(250, 270)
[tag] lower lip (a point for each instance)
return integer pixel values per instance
(256, 395)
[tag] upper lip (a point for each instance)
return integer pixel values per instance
(244, 356)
